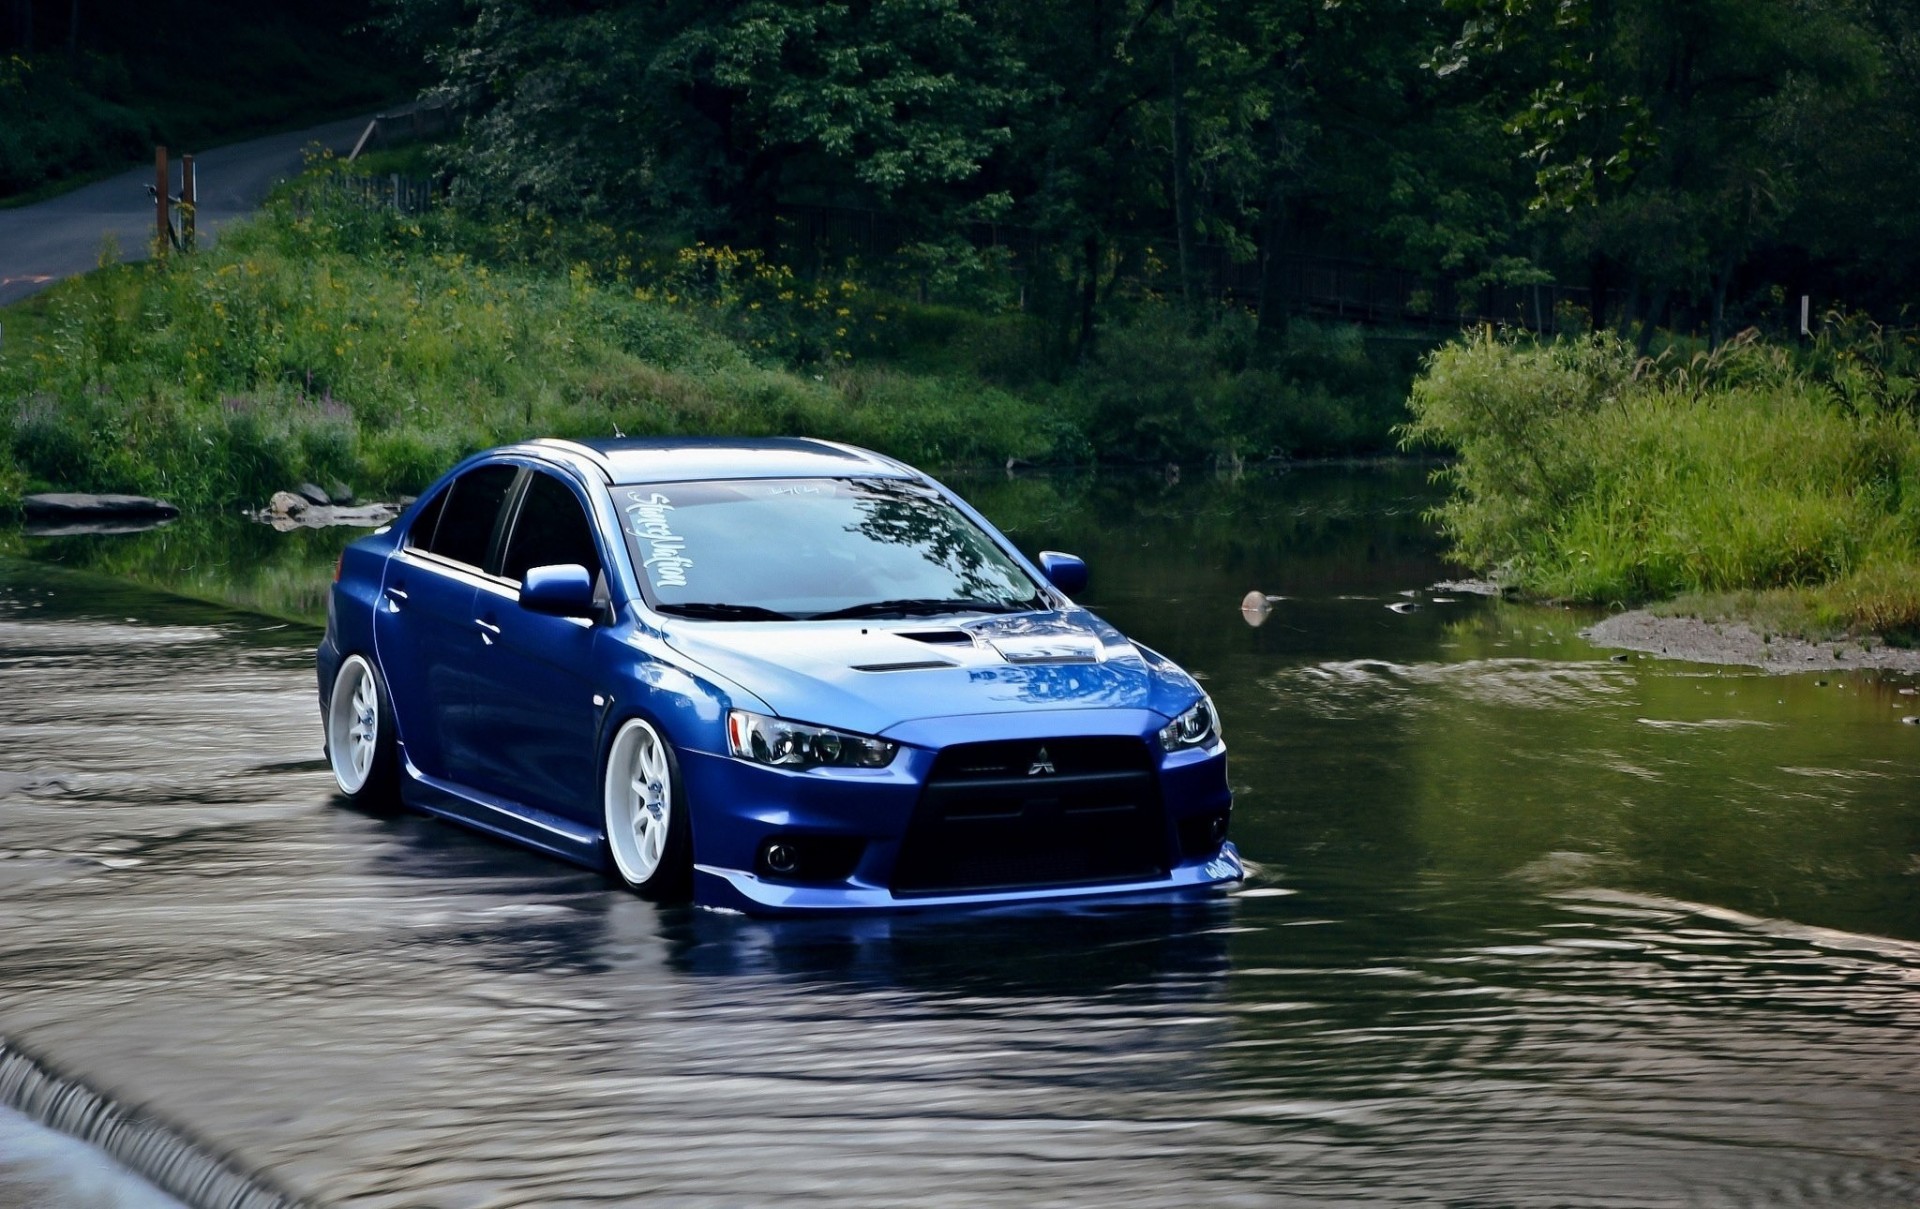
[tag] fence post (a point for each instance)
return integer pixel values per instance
(162, 221)
(189, 195)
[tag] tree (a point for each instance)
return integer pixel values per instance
(710, 111)
(1659, 131)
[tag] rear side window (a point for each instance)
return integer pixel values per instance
(420, 533)
(467, 518)
(552, 528)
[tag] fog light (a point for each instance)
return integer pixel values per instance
(1202, 834)
(780, 857)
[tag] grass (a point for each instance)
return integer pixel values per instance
(330, 342)
(1754, 481)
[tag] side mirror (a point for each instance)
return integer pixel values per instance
(1066, 572)
(565, 590)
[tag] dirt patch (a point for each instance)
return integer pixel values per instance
(1732, 642)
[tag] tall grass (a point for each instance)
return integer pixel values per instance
(330, 343)
(1584, 472)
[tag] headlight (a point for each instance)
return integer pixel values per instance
(1196, 728)
(785, 744)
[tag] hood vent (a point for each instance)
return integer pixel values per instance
(911, 665)
(938, 637)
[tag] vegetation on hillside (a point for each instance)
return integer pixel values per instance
(1586, 472)
(340, 343)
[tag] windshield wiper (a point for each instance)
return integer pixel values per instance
(717, 611)
(918, 607)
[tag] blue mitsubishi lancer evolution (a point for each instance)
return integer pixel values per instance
(775, 675)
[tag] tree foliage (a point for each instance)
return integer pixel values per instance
(1682, 158)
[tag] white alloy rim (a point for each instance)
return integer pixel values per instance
(639, 794)
(353, 724)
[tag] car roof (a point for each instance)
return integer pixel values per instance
(687, 459)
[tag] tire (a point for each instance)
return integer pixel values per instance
(645, 811)
(360, 736)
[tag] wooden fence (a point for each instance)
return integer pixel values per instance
(406, 194)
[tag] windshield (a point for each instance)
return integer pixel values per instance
(773, 549)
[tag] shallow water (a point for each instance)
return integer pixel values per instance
(42, 1169)
(1532, 926)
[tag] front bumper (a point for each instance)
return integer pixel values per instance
(866, 831)
(742, 890)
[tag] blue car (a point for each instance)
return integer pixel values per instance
(775, 675)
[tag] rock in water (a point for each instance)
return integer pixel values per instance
(313, 494)
(1255, 608)
(74, 505)
(286, 503)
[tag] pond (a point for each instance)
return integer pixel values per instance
(1532, 924)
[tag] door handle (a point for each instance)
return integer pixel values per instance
(395, 593)
(488, 626)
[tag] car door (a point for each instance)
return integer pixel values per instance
(424, 631)
(535, 719)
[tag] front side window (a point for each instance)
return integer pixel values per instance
(814, 548)
(468, 515)
(551, 528)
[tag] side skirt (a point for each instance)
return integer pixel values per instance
(538, 829)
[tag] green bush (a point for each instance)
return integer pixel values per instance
(1161, 388)
(1587, 473)
(13, 483)
(55, 120)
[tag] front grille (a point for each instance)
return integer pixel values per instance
(1034, 813)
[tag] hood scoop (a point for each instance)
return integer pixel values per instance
(938, 637)
(1023, 649)
(1045, 639)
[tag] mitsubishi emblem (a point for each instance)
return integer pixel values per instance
(1041, 764)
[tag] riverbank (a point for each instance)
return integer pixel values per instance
(1737, 642)
(1777, 486)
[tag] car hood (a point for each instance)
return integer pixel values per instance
(869, 676)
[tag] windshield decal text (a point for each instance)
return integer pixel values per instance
(647, 520)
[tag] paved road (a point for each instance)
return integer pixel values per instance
(61, 237)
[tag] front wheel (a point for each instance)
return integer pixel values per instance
(646, 813)
(360, 743)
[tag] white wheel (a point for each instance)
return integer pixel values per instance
(645, 818)
(359, 745)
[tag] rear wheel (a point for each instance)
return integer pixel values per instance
(360, 742)
(646, 815)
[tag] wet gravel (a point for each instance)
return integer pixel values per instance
(1699, 641)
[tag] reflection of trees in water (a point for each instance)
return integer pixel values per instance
(1083, 683)
(890, 515)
